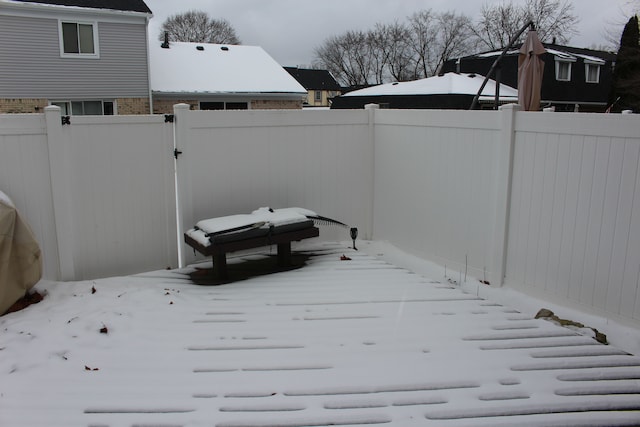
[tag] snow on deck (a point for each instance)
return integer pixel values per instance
(337, 342)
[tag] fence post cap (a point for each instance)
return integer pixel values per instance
(515, 107)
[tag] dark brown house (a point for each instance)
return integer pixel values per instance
(574, 79)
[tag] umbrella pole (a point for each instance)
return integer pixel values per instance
(495, 63)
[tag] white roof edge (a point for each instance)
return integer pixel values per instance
(27, 7)
(223, 94)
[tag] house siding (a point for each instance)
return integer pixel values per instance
(31, 65)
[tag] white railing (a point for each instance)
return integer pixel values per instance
(545, 202)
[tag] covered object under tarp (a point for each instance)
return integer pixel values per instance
(20, 256)
(450, 91)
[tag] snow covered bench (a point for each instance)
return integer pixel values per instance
(264, 227)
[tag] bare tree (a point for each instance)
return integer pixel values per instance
(423, 38)
(348, 58)
(391, 44)
(437, 37)
(554, 19)
(499, 23)
(455, 37)
(613, 30)
(197, 26)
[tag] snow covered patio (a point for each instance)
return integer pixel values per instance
(336, 342)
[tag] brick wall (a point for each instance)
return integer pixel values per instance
(276, 105)
(20, 106)
(128, 106)
(165, 106)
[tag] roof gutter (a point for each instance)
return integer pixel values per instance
(42, 7)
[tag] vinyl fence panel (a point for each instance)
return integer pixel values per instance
(122, 194)
(237, 161)
(574, 231)
(436, 176)
(25, 178)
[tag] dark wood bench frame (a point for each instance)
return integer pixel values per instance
(219, 250)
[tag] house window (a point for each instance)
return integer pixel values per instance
(237, 106)
(86, 108)
(219, 105)
(318, 96)
(78, 38)
(592, 72)
(563, 70)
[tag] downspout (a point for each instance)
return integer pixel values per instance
(495, 63)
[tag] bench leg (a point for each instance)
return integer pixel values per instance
(284, 254)
(220, 266)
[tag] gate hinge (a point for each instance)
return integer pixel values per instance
(168, 118)
(66, 120)
(176, 153)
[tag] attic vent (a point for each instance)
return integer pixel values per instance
(224, 48)
(200, 47)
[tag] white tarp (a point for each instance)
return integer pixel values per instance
(20, 256)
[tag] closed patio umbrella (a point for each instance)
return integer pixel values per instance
(530, 71)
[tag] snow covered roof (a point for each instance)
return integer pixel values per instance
(574, 56)
(449, 83)
(562, 52)
(204, 68)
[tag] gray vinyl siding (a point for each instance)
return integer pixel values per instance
(31, 66)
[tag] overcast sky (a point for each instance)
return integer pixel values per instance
(290, 30)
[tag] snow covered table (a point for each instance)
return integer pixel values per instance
(216, 237)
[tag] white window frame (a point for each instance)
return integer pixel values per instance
(69, 109)
(569, 63)
(589, 64)
(96, 46)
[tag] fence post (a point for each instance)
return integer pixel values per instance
(504, 176)
(184, 203)
(371, 110)
(58, 147)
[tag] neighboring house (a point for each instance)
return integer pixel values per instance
(219, 77)
(574, 79)
(86, 56)
(449, 91)
(320, 85)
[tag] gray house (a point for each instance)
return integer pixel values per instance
(86, 56)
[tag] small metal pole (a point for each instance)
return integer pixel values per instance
(354, 235)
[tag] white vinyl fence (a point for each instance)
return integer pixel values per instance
(545, 202)
(574, 231)
(98, 193)
(548, 203)
(235, 162)
(440, 186)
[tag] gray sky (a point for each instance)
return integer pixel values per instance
(290, 30)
